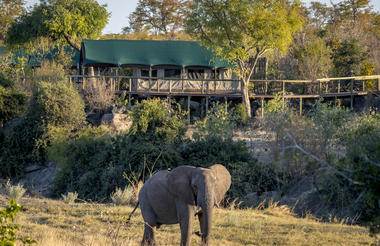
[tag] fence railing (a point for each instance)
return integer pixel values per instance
(326, 87)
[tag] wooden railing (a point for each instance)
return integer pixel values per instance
(326, 87)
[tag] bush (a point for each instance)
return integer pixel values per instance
(94, 165)
(70, 197)
(13, 103)
(52, 105)
(57, 104)
(123, 196)
(155, 120)
(7, 230)
(247, 174)
(219, 123)
(15, 192)
(355, 182)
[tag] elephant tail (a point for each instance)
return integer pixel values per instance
(130, 215)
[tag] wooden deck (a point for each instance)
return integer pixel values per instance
(335, 88)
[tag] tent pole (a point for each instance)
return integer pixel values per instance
(150, 77)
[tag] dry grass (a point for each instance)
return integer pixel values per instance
(53, 222)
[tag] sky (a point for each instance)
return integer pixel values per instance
(120, 9)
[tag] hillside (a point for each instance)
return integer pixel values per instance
(53, 222)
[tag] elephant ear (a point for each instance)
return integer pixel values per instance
(223, 181)
(179, 184)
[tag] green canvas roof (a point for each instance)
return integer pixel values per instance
(147, 53)
(3, 51)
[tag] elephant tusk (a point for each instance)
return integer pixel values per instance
(197, 209)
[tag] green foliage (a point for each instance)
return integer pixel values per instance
(155, 120)
(8, 231)
(9, 10)
(348, 58)
(367, 68)
(219, 123)
(52, 105)
(94, 165)
(313, 59)
(241, 114)
(247, 174)
(158, 16)
(13, 103)
(64, 21)
(57, 104)
(243, 31)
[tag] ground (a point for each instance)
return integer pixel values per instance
(52, 222)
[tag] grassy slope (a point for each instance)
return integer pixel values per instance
(52, 222)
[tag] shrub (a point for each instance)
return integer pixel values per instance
(247, 174)
(123, 196)
(70, 197)
(355, 182)
(218, 123)
(52, 105)
(56, 104)
(241, 114)
(7, 230)
(100, 96)
(94, 165)
(15, 192)
(155, 120)
(13, 103)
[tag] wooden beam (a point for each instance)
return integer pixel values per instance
(188, 109)
(352, 96)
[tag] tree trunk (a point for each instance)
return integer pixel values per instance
(245, 97)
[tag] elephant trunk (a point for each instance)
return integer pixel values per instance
(206, 203)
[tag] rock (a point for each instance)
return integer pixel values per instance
(119, 120)
(107, 118)
(40, 179)
(94, 117)
(13, 122)
(251, 199)
(269, 196)
(32, 168)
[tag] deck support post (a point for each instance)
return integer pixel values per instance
(301, 105)
(206, 109)
(150, 78)
(188, 108)
(283, 95)
(352, 95)
(202, 108)
(262, 107)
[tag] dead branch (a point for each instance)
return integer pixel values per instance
(325, 165)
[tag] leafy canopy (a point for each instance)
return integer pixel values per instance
(158, 16)
(60, 20)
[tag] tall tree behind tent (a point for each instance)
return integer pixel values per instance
(159, 17)
(243, 31)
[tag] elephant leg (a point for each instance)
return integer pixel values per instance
(186, 217)
(202, 225)
(148, 237)
(201, 222)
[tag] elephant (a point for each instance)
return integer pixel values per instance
(171, 197)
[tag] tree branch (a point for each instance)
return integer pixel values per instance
(72, 43)
(324, 163)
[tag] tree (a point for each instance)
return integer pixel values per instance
(348, 58)
(61, 20)
(9, 10)
(158, 16)
(242, 31)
